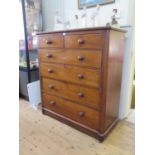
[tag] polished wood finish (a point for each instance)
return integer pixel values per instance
(90, 41)
(84, 76)
(82, 95)
(86, 58)
(115, 61)
(48, 41)
(81, 79)
(83, 30)
(76, 112)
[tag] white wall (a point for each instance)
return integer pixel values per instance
(71, 8)
(68, 8)
(128, 65)
(49, 7)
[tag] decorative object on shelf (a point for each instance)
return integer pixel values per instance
(91, 3)
(66, 24)
(35, 28)
(95, 16)
(30, 4)
(114, 21)
(84, 17)
(58, 21)
(34, 42)
(76, 21)
(114, 17)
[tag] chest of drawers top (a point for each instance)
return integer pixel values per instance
(90, 38)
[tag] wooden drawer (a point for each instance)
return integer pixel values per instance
(84, 115)
(83, 95)
(72, 57)
(50, 41)
(92, 41)
(73, 74)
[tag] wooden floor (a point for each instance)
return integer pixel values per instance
(42, 135)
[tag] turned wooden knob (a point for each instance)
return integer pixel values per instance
(50, 70)
(49, 42)
(81, 94)
(49, 55)
(81, 58)
(81, 114)
(81, 41)
(52, 102)
(51, 86)
(80, 76)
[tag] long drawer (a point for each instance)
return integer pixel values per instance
(88, 58)
(83, 95)
(91, 41)
(84, 76)
(81, 114)
(50, 41)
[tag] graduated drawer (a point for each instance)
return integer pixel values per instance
(91, 41)
(50, 41)
(83, 95)
(73, 57)
(83, 76)
(81, 114)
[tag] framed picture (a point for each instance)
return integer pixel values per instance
(91, 3)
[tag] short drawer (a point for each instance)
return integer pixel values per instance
(73, 57)
(85, 96)
(91, 41)
(83, 76)
(81, 114)
(50, 41)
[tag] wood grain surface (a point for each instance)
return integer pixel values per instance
(86, 96)
(40, 134)
(86, 58)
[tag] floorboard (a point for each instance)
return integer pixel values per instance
(42, 135)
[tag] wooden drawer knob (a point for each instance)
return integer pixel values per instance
(52, 103)
(51, 86)
(81, 41)
(50, 70)
(48, 42)
(81, 94)
(81, 114)
(81, 58)
(80, 76)
(49, 55)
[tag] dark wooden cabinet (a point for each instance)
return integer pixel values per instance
(80, 75)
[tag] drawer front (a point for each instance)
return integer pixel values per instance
(50, 41)
(84, 76)
(72, 57)
(92, 41)
(83, 95)
(81, 114)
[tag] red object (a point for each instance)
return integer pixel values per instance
(30, 44)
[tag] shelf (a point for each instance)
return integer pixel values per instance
(26, 69)
(32, 9)
(30, 50)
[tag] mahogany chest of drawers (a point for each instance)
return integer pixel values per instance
(80, 75)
